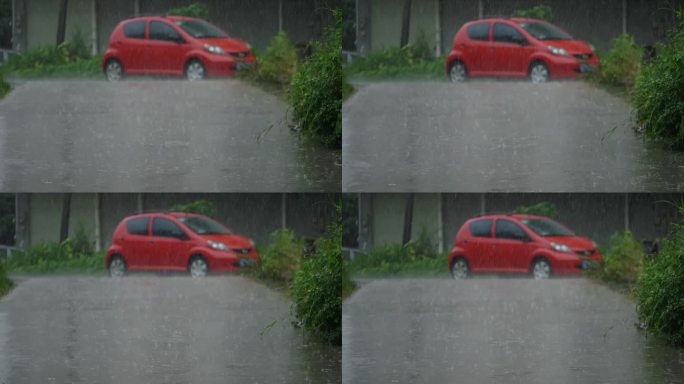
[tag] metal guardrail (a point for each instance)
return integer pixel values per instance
(6, 53)
(351, 253)
(349, 56)
(6, 251)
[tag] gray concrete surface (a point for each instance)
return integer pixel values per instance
(155, 329)
(489, 330)
(155, 135)
(498, 136)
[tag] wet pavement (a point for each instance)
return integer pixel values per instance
(151, 329)
(155, 135)
(489, 330)
(498, 136)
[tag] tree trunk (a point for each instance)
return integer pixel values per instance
(61, 21)
(408, 219)
(66, 211)
(405, 24)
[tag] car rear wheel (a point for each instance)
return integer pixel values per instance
(460, 269)
(539, 72)
(198, 267)
(541, 269)
(457, 72)
(117, 266)
(195, 70)
(114, 70)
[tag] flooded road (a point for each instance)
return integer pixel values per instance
(488, 330)
(155, 329)
(498, 136)
(155, 135)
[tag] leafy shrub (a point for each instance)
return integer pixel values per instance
(421, 48)
(317, 288)
(80, 242)
(660, 290)
(280, 260)
(193, 10)
(4, 86)
(396, 62)
(624, 260)
(621, 65)
(277, 64)
(316, 90)
(658, 95)
(78, 46)
(6, 283)
(541, 11)
(55, 257)
(64, 59)
(202, 207)
(542, 209)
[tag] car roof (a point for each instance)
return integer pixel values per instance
(161, 17)
(518, 216)
(511, 19)
(164, 213)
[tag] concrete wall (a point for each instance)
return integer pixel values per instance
(255, 215)
(598, 216)
(42, 21)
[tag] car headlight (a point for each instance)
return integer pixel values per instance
(592, 47)
(561, 247)
(214, 49)
(217, 245)
(249, 46)
(558, 51)
(595, 245)
(251, 243)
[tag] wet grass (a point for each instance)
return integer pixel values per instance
(6, 284)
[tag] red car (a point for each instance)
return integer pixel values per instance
(520, 244)
(517, 47)
(173, 46)
(177, 242)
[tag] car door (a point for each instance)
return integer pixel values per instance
(475, 47)
(132, 46)
(170, 244)
(508, 52)
(511, 247)
(135, 241)
(478, 245)
(166, 49)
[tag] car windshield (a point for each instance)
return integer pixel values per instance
(201, 29)
(547, 228)
(204, 226)
(544, 31)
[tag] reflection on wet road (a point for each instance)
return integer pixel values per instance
(155, 135)
(498, 137)
(499, 331)
(151, 329)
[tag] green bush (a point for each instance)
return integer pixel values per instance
(624, 260)
(316, 90)
(395, 63)
(280, 260)
(202, 207)
(317, 288)
(4, 86)
(55, 257)
(198, 10)
(541, 209)
(277, 64)
(65, 59)
(658, 94)
(621, 65)
(541, 11)
(81, 244)
(421, 48)
(6, 284)
(659, 290)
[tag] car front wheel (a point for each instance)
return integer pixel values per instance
(459, 268)
(198, 267)
(195, 70)
(541, 269)
(539, 73)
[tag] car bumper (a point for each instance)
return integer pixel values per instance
(223, 65)
(569, 67)
(229, 262)
(576, 265)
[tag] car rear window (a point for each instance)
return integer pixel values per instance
(138, 226)
(165, 228)
(479, 31)
(506, 229)
(481, 228)
(504, 33)
(135, 29)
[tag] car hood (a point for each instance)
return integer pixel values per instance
(232, 240)
(228, 44)
(572, 46)
(576, 243)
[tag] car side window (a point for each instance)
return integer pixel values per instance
(135, 29)
(165, 228)
(506, 229)
(504, 33)
(479, 31)
(481, 228)
(163, 31)
(138, 226)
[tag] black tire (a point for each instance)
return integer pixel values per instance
(541, 269)
(198, 266)
(195, 70)
(539, 72)
(457, 72)
(114, 70)
(117, 266)
(460, 268)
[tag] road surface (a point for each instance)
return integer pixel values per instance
(155, 135)
(155, 329)
(506, 136)
(489, 330)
